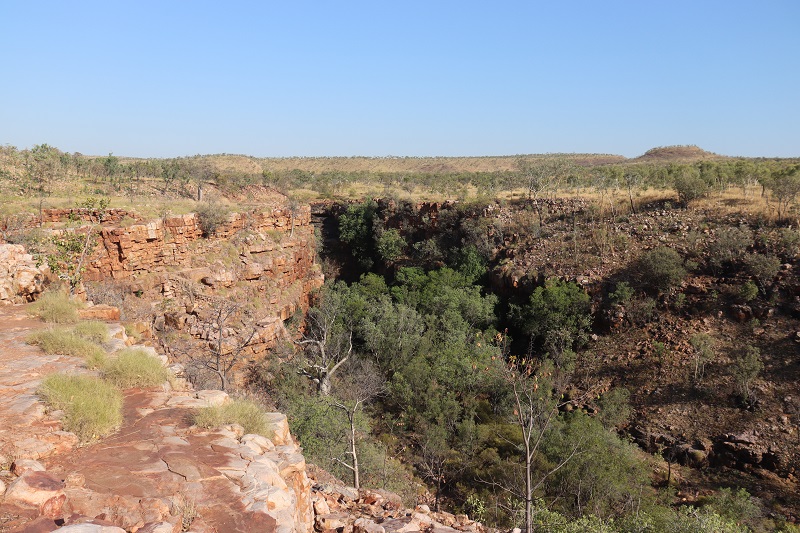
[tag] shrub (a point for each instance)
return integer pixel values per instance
(689, 187)
(65, 342)
(748, 291)
(246, 413)
(558, 316)
(135, 368)
(734, 505)
(746, 369)
(92, 408)
(615, 409)
(56, 307)
(92, 330)
(661, 268)
(211, 216)
(622, 294)
(763, 268)
(640, 311)
(729, 245)
(703, 346)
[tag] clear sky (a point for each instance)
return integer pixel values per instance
(303, 78)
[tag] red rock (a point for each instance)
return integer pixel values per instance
(52, 508)
(33, 489)
(100, 312)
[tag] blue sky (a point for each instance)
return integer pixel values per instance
(169, 78)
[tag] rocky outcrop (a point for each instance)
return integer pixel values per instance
(20, 278)
(150, 247)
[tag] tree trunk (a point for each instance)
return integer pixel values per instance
(324, 387)
(630, 196)
(528, 489)
(356, 481)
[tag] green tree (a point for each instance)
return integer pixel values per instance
(604, 475)
(356, 230)
(71, 250)
(390, 245)
(785, 186)
(688, 183)
(558, 317)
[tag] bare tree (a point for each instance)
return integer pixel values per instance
(328, 342)
(541, 177)
(361, 382)
(229, 331)
(534, 408)
(632, 180)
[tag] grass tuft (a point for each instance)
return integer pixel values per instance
(65, 342)
(246, 413)
(56, 307)
(135, 368)
(92, 408)
(92, 330)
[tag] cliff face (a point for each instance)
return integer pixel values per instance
(176, 242)
(263, 258)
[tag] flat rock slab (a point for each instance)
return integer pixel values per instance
(25, 429)
(135, 477)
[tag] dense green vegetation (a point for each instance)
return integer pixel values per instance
(470, 394)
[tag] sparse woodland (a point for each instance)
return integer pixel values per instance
(557, 343)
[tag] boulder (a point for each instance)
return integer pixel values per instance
(21, 466)
(364, 525)
(213, 398)
(330, 521)
(34, 489)
(100, 312)
(20, 279)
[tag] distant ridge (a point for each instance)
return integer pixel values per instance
(682, 153)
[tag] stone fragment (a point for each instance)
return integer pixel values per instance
(75, 480)
(90, 528)
(159, 527)
(258, 443)
(33, 489)
(364, 525)
(330, 521)
(21, 466)
(213, 397)
(100, 312)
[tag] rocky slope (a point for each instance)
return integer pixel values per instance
(159, 472)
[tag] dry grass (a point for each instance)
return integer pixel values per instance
(135, 368)
(92, 330)
(65, 341)
(246, 413)
(56, 307)
(92, 408)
